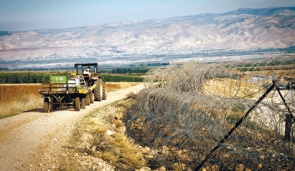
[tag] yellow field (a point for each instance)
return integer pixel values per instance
(17, 98)
(113, 86)
(231, 88)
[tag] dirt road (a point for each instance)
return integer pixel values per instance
(24, 138)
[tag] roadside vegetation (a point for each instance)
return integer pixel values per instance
(99, 142)
(18, 98)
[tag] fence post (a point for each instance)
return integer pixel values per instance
(288, 126)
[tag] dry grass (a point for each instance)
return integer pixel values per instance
(112, 144)
(102, 135)
(228, 87)
(118, 147)
(113, 86)
(16, 98)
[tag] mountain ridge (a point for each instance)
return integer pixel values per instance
(239, 30)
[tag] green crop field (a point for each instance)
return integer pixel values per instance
(21, 77)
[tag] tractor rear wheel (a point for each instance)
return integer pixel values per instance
(77, 104)
(83, 103)
(98, 91)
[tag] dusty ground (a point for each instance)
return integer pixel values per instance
(29, 139)
(99, 142)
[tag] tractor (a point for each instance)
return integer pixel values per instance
(91, 78)
(78, 91)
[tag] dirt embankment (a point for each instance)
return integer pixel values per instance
(32, 136)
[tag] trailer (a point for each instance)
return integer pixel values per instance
(61, 92)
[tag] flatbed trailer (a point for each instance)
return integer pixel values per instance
(61, 92)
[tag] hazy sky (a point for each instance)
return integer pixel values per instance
(18, 15)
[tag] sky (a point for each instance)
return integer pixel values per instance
(23, 15)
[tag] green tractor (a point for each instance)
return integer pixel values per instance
(78, 91)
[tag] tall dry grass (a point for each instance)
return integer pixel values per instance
(101, 135)
(16, 98)
(113, 86)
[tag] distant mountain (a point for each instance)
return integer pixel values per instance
(5, 33)
(239, 30)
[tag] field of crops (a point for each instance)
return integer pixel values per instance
(19, 77)
(18, 98)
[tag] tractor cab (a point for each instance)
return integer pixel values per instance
(89, 71)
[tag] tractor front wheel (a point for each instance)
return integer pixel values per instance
(91, 97)
(88, 99)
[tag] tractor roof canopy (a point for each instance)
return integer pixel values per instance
(80, 67)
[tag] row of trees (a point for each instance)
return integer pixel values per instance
(43, 77)
(24, 77)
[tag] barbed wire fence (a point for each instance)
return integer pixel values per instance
(225, 114)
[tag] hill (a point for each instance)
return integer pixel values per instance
(157, 40)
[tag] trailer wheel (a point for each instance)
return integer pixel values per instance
(46, 105)
(104, 91)
(83, 103)
(77, 104)
(91, 97)
(98, 91)
(88, 99)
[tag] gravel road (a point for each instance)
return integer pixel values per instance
(25, 139)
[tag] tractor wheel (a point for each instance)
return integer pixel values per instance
(83, 103)
(88, 99)
(91, 97)
(104, 91)
(77, 104)
(46, 105)
(98, 91)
